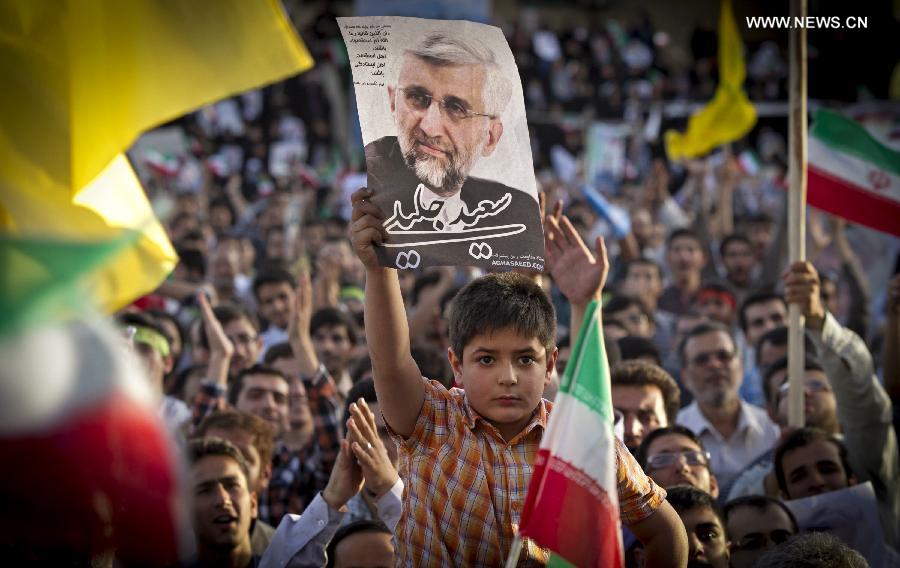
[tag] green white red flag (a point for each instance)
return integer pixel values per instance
(853, 175)
(572, 505)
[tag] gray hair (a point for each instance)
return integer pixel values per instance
(812, 550)
(438, 48)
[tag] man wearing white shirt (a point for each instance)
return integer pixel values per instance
(733, 431)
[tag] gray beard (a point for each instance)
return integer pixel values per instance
(444, 181)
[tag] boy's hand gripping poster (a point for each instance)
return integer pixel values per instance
(446, 143)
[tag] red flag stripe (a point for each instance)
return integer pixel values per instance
(568, 498)
(846, 200)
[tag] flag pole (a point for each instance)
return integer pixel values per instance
(514, 551)
(797, 126)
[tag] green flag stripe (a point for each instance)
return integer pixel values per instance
(585, 377)
(557, 561)
(43, 279)
(845, 135)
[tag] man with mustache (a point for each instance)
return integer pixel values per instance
(734, 432)
(447, 103)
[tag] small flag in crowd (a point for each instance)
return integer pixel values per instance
(572, 505)
(853, 175)
(730, 115)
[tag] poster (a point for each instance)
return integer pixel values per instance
(850, 514)
(447, 151)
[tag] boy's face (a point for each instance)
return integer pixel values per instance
(504, 375)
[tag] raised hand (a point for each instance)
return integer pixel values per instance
(578, 272)
(346, 478)
(221, 349)
(366, 227)
(298, 328)
(802, 287)
(378, 471)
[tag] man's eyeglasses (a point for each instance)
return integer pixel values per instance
(814, 385)
(454, 108)
(721, 355)
(666, 459)
(757, 541)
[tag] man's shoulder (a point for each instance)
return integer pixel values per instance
(382, 147)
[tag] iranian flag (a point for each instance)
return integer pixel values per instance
(572, 506)
(853, 175)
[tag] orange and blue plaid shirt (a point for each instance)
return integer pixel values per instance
(466, 485)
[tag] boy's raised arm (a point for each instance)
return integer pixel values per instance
(398, 381)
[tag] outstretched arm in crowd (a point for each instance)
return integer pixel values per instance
(211, 395)
(398, 380)
(298, 328)
(579, 274)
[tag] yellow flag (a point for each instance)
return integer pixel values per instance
(730, 115)
(82, 79)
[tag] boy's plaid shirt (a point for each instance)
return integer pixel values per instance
(465, 485)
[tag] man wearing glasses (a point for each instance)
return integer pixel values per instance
(734, 432)
(447, 103)
(675, 456)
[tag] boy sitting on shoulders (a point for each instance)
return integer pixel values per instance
(467, 455)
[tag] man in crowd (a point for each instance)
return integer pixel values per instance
(274, 294)
(634, 316)
(755, 524)
(675, 456)
(223, 505)
(707, 538)
(739, 262)
(446, 102)
(686, 258)
(333, 338)
(733, 431)
(254, 438)
(760, 313)
(647, 397)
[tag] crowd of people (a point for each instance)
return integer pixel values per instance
(289, 365)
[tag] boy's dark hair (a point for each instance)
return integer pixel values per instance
(809, 364)
(685, 498)
(801, 438)
(703, 329)
(755, 298)
(642, 451)
(812, 550)
(642, 374)
(683, 232)
(273, 275)
(237, 385)
(778, 337)
(760, 503)
(734, 238)
(204, 447)
(621, 302)
(278, 351)
(364, 389)
(633, 347)
(261, 434)
(333, 317)
(227, 313)
(351, 529)
(505, 300)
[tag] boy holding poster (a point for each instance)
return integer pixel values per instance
(467, 455)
